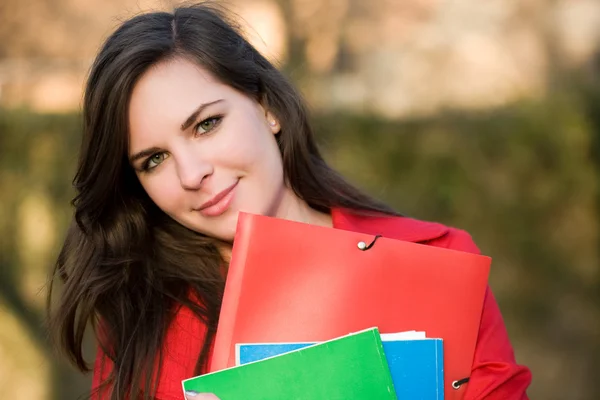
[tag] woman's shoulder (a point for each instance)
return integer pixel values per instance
(181, 347)
(405, 228)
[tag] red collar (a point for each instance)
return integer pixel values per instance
(400, 228)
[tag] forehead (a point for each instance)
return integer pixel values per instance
(169, 92)
(175, 76)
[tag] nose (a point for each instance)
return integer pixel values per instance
(192, 170)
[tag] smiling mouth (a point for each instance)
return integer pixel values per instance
(219, 203)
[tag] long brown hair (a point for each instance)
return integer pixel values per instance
(124, 263)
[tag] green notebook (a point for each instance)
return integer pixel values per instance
(352, 367)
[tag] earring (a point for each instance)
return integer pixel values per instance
(273, 123)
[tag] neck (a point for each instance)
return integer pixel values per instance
(293, 208)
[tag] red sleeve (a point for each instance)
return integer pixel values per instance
(102, 367)
(180, 351)
(495, 374)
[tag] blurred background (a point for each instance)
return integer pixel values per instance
(484, 115)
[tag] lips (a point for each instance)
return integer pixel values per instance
(219, 203)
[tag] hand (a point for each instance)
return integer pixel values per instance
(200, 396)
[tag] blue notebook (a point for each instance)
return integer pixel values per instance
(416, 365)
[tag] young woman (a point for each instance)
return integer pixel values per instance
(186, 125)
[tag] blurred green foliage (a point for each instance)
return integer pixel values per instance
(523, 180)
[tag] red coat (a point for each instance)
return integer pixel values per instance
(495, 373)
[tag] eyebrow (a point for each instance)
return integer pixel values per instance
(194, 116)
(185, 125)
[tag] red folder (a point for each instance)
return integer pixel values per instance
(294, 282)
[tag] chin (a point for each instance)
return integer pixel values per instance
(228, 226)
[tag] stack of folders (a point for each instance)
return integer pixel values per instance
(363, 365)
(291, 327)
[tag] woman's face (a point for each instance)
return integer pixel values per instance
(204, 151)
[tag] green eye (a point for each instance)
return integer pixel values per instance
(208, 125)
(155, 160)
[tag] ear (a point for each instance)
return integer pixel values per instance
(273, 122)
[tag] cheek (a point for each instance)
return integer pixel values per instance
(245, 151)
(249, 144)
(163, 190)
